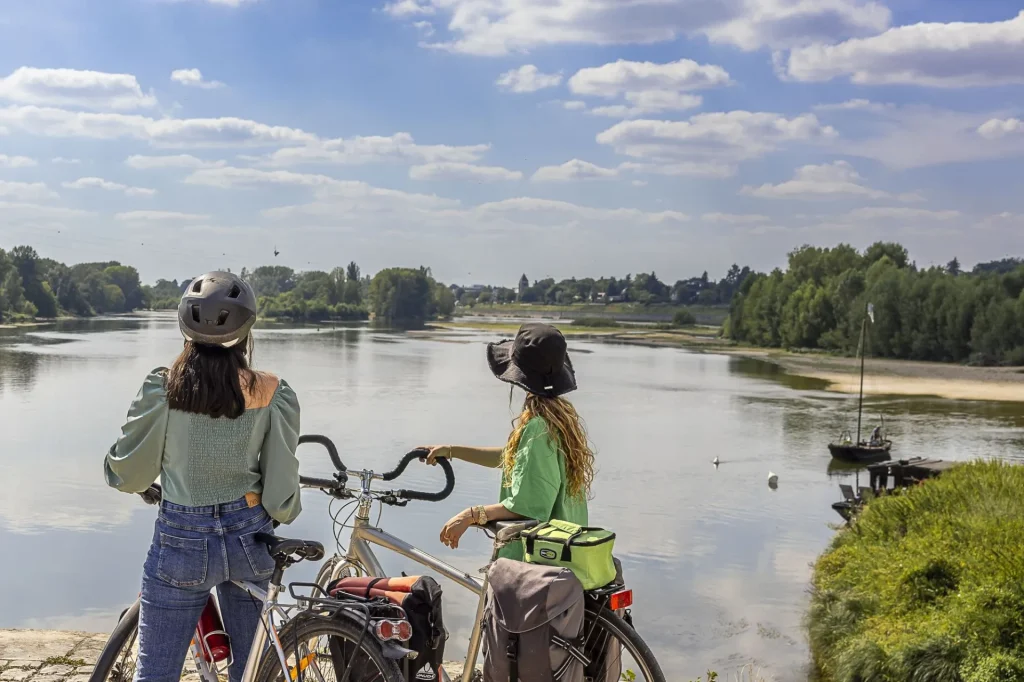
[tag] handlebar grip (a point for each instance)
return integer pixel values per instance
(449, 477)
(329, 445)
(311, 482)
(418, 453)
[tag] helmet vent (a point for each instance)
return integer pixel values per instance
(235, 291)
(195, 313)
(222, 318)
(197, 286)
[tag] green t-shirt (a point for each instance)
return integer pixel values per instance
(538, 485)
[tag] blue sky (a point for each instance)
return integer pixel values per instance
(485, 138)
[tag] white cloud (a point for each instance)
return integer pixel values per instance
(72, 87)
(400, 147)
(21, 212)
(854, 105)
(527, 78)
(16, 161)
(573, 170)
(650, 102)
(790, 23)
(142, 162)
(574, 105)
(498, 27)
(463, 172)
(622, 77)
(915, 136)
(424, 27)
(995, 128)
(721, 138)
(154, 216)
(891, 212)
(60, 160)
(25, 191)
(825, 181)
(325, 186)
(164, 132)
(547, 211)
(194, 78)
(107, 185)
(953, 55)
(407, 8)
(704, 169)
(735, 218)
(639, 183)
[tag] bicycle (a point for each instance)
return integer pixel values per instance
(322, 628)
(603, 625)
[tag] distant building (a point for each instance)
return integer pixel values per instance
(524, 284)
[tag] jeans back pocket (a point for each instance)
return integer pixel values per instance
(260, 561)
(182, 562)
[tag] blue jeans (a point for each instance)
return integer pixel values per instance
(194, 550)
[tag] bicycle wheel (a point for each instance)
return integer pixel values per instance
(617, 650)
(119, 659)
(325, 649)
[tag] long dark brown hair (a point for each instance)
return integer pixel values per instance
(209, 379)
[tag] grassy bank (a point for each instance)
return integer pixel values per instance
(927, 585)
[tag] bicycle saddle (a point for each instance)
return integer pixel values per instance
(283, 548)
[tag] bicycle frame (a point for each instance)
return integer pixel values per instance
(360, 554)
(268, 598)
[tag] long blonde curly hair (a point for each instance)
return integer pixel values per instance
(569, 434)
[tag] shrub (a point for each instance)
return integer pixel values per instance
(928, 585)
(595, 322)
(683, 318)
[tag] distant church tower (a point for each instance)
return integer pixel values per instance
(524, 284)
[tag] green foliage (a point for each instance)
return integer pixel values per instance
(313, 296)
(683, 318)
(926, 585)
(402, 296)
(36, 290)
(934, 314)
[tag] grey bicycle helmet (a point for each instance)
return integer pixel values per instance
(217, 309)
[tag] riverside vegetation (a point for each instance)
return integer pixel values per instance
(938, 314)
(927, 585)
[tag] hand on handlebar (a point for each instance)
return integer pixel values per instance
(436, 452)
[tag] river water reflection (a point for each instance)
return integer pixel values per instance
(718, 561)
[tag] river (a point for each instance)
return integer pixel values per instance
(719, 562)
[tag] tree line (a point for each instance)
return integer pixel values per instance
(643, 289)
(34, 287)
(938, 313)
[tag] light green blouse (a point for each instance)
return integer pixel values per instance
(203, 461)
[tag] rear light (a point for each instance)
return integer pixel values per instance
(622, 599)
(387, 630)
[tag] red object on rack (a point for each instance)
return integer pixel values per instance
(213, 639)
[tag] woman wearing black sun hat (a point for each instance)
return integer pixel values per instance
(547, 463)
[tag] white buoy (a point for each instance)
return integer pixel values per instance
(773, 479)
(715, 460)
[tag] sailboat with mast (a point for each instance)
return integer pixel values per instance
(878, 447)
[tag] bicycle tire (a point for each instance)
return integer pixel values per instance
(616, 627)
(305, 628)
(124, 635)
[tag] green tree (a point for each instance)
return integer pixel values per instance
(271, 280)
(401, 296)
(37, 291)
(126, 278)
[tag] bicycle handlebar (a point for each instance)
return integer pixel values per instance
(329, 445)
(420, 453)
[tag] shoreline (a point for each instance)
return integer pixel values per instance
(882, 376)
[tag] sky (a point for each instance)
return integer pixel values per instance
(488, 138)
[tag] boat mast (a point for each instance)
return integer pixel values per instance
(860, 402)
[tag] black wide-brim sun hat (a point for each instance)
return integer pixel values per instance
(537, 361)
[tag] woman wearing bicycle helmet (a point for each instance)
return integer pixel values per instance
(547, 464)
(221, 437)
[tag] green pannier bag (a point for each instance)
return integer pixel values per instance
(587, 552)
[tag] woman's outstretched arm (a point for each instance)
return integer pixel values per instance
(485, 457)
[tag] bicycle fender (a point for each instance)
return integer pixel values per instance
(395, 652)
